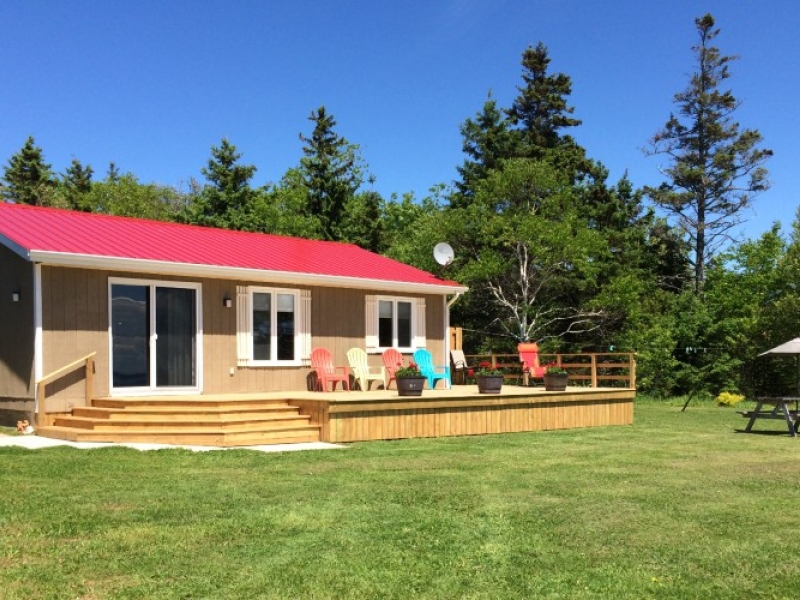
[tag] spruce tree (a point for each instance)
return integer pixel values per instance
(76, 184)
(486, 140)
(28, 179)
(112, 175)
(331, 170)
(541, 110)
(715, 167)
(227, 199)
(229, 188)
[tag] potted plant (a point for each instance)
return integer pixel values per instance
(409, 380)
(489, 378)
(555, 378)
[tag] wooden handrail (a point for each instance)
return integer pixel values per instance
(586, 371)
(41, 395)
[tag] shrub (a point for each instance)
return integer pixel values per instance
(729, 399)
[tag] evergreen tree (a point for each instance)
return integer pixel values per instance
(76, 184)
(716, 168)
(227, 199)
(541, 109)
(362, 222)
(487, 140)
(28, 179)
(112, 175)
(332, 172)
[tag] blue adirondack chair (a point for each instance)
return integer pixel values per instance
(433, 372)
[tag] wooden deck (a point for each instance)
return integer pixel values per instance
(383, 415)
(292, 417)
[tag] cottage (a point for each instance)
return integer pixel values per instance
(180, 309)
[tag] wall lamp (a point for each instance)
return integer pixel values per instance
(227, 302)
(15, 296)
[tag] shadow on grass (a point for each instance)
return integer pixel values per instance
(766, 432)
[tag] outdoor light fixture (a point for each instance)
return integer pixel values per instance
(227, 302)
(15, 296)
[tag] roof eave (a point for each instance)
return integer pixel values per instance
(14, 247)
(222, 272)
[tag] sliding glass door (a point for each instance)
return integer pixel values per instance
(154, 336)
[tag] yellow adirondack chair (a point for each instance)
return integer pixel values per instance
(362, 371)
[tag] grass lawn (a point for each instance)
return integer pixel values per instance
(678, 505)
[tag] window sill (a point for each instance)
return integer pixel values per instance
(273, 364)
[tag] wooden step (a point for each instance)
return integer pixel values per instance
(195, 420)
(134, 422)
(184, 402)
(179, 413)
(192, 437)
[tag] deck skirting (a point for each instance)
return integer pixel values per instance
(348, 420)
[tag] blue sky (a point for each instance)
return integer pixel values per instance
(152, 85)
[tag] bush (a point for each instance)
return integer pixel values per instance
(729, 399)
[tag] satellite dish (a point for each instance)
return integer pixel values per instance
(443, 253)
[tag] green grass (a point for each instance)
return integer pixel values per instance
(677, 506)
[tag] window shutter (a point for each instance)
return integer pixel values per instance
(242, 333)
(304, 326)
(419, 334)
(372, 323)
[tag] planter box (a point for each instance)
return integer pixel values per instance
(555, 382)
(410, 386)
(489, 384)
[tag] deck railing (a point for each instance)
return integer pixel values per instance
(41, 395)
(591, 369)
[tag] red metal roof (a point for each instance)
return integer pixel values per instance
(93, 235)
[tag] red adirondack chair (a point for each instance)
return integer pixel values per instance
(322, 363)
(392, 360)
(529, 356)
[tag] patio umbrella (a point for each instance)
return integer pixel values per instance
(790, 347)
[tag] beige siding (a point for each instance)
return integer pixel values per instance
(75, 307)
(74, 324)
(16, 337)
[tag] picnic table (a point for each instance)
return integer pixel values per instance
(777, 408)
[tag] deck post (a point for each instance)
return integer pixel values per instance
(632, 361)
(41, 417)
(594, 370)
(89, 380)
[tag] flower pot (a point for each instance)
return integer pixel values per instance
(489, 384)
(410, 386)
(555, 382)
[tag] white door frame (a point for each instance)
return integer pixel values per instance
(152, 388)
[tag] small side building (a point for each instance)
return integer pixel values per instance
(181, 309)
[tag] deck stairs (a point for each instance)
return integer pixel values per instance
(224, 421)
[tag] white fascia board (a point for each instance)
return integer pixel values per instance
(85, 261)
(14, 247)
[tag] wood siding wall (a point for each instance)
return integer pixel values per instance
(16, 337)
(16, 326)
(75, 315)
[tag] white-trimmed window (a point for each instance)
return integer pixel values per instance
(395, 322)
(273, 326)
